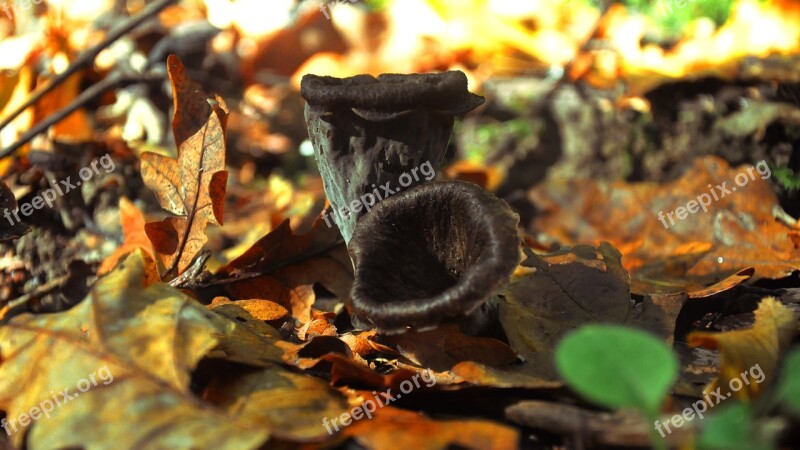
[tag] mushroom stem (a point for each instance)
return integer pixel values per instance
(431, 254)
(367, 132)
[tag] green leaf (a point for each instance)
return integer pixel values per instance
(733, 428)
(617, 367)
(789, 389)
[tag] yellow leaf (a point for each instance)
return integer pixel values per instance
(749, 358)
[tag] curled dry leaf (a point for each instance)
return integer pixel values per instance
(146, 342)
(191, 187)
(756, 350)
(133, 225)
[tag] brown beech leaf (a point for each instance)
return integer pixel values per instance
(192, 187)
(283, 267)
(741, 228)
(133, 223)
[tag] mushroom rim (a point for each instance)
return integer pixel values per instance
(492, 268)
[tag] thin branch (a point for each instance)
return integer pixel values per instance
(94, 91)
(86, 58)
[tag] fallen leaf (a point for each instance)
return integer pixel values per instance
(666, 254)
(191, 187)
(283, 267)
(260, 309)
(751, 351)
(395, 428)
(147, 339)
(133, 223)
(445, 346)
(292, 406)
(568, 288)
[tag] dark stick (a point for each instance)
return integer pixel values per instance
(85, 59)
(86, 96)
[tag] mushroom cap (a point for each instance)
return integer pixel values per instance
(446, 92)
(432, 253)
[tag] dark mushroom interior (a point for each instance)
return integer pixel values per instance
(432, 253)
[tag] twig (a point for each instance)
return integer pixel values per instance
(86, 96)
(38, 291)
(86, 58)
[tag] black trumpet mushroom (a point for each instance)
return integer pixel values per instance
(431, 254)
(426, 253)
(367, 132)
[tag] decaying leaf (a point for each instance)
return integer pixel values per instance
(191, 187)
(283, 267)
(665, 253)
(445, 346)
(130, 351)
(147, 339)
(748, 355)
(567, 289)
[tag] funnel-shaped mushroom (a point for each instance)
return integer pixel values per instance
(432, 253)
(367, 132)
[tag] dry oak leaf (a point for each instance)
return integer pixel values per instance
(149, 340)
(133, 223)
(756, 350)
(191, 187)
(291, 405)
